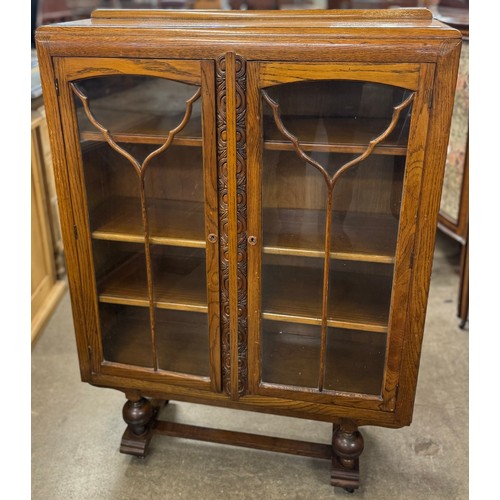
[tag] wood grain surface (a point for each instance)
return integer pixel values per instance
(248, 273)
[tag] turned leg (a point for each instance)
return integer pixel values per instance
(138, 413)
(347, 446)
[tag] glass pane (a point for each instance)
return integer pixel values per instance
(137, 109)
(143, 168)
(182, 339)
(292, 286)
(179, 278)
(113, 194)
(290, 281)
(354, 361)
(339, 115)
(332, 176)
(125, 334)
(181, 319)
(289, 185)
(289, 353)
(365, 209)
(175, 197)
(122, 290)
(359, 293)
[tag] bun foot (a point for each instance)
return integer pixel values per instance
(347, 446)
(139, 414)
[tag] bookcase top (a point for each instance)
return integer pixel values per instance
(415, 22)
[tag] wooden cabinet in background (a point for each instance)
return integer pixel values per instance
(454, 211)
(249, 208)
(46, 255)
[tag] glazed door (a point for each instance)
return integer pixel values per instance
(140, 144)
(333, 190)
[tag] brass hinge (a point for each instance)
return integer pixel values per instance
(75, 231)
(57, 87)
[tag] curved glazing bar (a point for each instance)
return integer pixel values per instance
(331, 179)
(146, 283)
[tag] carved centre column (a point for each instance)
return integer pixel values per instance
(231, 154)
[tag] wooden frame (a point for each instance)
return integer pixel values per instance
(413, 77)
(236, 56)
(193, 72)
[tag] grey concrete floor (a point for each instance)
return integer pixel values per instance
(76, 430)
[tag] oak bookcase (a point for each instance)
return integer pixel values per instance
(249, 204)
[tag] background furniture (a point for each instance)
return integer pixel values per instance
(252, 229)
(46, 252)
(374, 4)
(454, 212)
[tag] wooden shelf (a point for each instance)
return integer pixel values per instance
(171, 222)
(356, 300)
(336, 135)
(354, 359)
(356, 236)
(181, 339)
(141, 128)
(179, 284)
